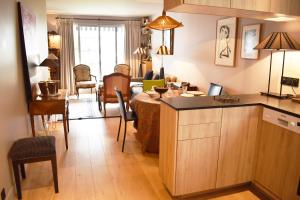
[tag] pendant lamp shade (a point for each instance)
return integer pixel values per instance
(140, 51)
(163, 50)
(164, 22)
(278, 41)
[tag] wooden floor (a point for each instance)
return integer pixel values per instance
(95, 168)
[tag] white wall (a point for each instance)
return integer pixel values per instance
(193, 59)
(13, 116)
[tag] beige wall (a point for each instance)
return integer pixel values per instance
(193, 60)
(13, 118)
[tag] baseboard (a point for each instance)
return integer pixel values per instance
(262, 192)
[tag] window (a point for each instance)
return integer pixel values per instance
(100, 47)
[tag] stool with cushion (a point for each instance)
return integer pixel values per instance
(30, 150)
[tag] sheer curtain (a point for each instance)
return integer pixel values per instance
(65, 29)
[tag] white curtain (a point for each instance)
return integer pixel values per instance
(67, 58)
(132, 42)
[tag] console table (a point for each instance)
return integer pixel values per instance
(50, 105)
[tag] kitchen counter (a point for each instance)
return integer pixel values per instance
(203, 102)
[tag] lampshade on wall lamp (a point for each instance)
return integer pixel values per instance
(54, 40)
(140, 51)
(277, 41)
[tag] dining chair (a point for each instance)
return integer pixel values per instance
(83, 78)
(107, 93)
(148, 84)
(126, 115)
(123, 69)
(214, 89)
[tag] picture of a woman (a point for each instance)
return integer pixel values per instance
(225, 50)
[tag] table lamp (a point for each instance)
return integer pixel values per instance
(140, 51)
(277, 41)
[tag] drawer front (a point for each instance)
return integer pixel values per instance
(187, 117)
(199, 131)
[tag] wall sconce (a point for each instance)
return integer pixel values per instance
(53, 40)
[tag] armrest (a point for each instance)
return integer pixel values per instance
(94, 77)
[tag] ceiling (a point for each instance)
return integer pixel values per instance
(122, 8)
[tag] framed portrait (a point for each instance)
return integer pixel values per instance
(169, 40)
(225, 42)
(250, 39)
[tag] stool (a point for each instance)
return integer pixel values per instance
(29, 150)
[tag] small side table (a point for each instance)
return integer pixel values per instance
(51, 105)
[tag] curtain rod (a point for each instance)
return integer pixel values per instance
(97, 19)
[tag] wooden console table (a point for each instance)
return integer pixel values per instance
(51, 105)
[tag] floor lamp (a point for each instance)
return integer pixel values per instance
(277, 41)
(140, 52)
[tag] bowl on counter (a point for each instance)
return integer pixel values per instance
(160, 90)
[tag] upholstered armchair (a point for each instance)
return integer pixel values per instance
(123, 69)
(107, 91)
(83, 78)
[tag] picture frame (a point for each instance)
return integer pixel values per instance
(250, 38)
(169, 40)
(226, 42)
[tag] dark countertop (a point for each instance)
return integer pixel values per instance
(190, 103)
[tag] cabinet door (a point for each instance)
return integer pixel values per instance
(258, 5)
(278, 161)
(218, 3)
(291, 7)
(237, 146)
(196, 165)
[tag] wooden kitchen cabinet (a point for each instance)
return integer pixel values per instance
(217, 3)
(278, 163)
(289, 7)
(237, 145)
(196, 165)
(257, 5)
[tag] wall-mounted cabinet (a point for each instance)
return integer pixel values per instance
(259, 9)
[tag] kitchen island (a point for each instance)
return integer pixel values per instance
(210, 143)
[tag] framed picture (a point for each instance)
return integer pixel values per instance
(250, 39)
(169, 40)
(225, 42)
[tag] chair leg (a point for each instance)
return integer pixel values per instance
(77, 90)
(119, 128)
(127, 105)
(22, 167)
(99, 104)
(67, 115)
(104, 109)
(17, 179)
(65, 130)
(54, 171)
(124, 136)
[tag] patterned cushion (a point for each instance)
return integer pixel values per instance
(34, 147)
(86, 84)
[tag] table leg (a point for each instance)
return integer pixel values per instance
(32, 125)
(65, 130)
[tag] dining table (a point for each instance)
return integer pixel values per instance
(147, 108)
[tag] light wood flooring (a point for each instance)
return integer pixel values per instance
(95, 168)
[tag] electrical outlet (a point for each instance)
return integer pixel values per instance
(3, 194)
(294, 82)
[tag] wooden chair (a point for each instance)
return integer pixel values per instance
(29, 150)
(107, 93)
(126, 115)
(83, 78)
(123, 69)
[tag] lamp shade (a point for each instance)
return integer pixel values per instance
(164, 22)
(163, 50)
(54, 40)
(278, 41)
(50, 61)
(140, 51)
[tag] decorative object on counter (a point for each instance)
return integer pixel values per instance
(214, 90)
(225, 42)
(140, 51)
(278, 41)
(227, 99)
(250, 39)
(161, 90)
(164, 22)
